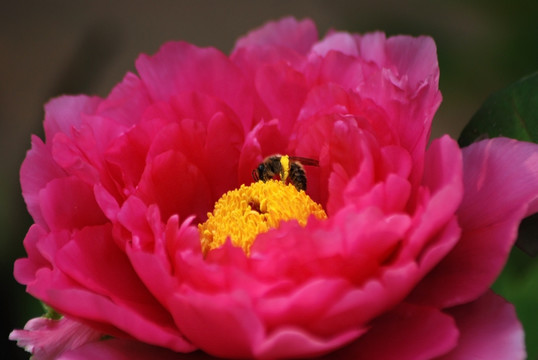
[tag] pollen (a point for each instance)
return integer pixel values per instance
(243, 213)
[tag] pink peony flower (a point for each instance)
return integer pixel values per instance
(400, 268)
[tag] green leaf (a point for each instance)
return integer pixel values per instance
(511, 112)
(50, 313)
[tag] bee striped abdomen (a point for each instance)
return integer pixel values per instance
(297, 176)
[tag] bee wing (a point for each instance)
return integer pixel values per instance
(305, 161)
(255, 175)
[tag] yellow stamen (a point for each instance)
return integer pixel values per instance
(243, 213)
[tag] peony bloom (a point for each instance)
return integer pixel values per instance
(397, 264)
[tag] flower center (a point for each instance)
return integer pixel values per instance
(244, 213)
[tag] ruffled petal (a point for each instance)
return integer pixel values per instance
(180, 67)
(400, 74)
(46, 339)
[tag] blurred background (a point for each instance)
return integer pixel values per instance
(48, 48)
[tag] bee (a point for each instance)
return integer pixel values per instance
(287, 167)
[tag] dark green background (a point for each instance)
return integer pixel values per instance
(54, 47)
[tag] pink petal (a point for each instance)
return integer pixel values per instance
(223, 325)
(69, 203)
(126, 102)
(64, 294)
(176, 185)
(111, 299)
(120, 349)
(295, 343)
(201, 108)
(82, 260)
(331, 99)
(337, 41)
(414, 58)
(73, 158)
(489, 329)
(351, 245)
(434, 213)
(180, 67)
(37, 170)
(500, 188)
(47, 338)
(208, 133)
(26, 268)
(283, 90)
(501, 173)
(287, 32)
(369, 290)
(408, 109)
(373, 298)
(64, 113)
(355, 152)
(128, 155)
(133, 216)
(372, 47)
(408, 332)
(157, 268)
(305, 307)
(222, 148)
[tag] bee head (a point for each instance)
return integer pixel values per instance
(261, 171)
(257, 173)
